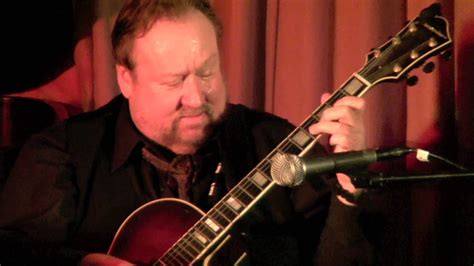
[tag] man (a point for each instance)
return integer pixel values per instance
(75, 183)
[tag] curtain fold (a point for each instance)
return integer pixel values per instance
(243, 50)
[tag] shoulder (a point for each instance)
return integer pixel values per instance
(77, 131)
(257, 129)
(110, 110)
(257, 120)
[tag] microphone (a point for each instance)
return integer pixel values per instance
(290, 170)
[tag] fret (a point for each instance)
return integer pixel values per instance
(243, 188)
(268, 160)
(308, 122)
(160, 261)
(168, 259)
(219, 218)
(165, 260)
(316, 118)
(241, 196)
(227, 211)
(251, 188)
(183, 253)
(266, 166)
(290, 147)
(206, 231)
(316, 115)
(172, 255)
(343, 93)
(193, 243)
(337, 96)
(174, 258)
(328, 104)
(189, 248)
(186, 256)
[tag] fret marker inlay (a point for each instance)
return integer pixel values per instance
(259, 179)
(200, 237)
(301, 138)
(234, 204)
(212, 225)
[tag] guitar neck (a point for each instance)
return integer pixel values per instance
(240, 199)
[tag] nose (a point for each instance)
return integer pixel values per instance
(193, 92)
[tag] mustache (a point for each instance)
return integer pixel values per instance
(205, 109)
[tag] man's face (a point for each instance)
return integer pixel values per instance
(176, 90)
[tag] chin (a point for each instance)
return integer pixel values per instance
(194, 138)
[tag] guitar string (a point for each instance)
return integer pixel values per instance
(169, 260)
(245, 190)
(182, 255)
(183, 241)
(174, 253)
(198, 227)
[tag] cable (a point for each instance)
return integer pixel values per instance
(425, 156)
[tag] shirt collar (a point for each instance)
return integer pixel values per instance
(126, 137)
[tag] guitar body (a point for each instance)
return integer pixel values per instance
(152, 229)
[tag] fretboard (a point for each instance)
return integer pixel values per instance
(218, 221)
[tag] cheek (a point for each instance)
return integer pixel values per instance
(152, 107)
(218, 94)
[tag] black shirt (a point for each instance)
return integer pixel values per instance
(75, 183)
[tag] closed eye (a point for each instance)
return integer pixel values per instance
(175, 82)
(205, 76)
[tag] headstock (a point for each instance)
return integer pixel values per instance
(423, 37)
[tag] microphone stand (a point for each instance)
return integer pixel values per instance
(367, 180)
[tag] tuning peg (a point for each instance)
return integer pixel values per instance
(447, 55)
(429, 67)
(411, 81)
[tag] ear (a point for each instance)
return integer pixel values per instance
(125, 80)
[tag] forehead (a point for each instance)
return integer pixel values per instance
(189, 34)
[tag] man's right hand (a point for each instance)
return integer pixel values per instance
(99, 259)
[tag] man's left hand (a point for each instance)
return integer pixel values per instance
(344, 123)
